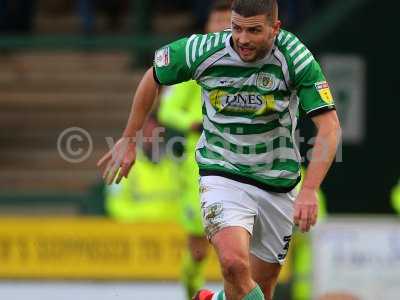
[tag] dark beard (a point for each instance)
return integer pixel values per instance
(263, 52)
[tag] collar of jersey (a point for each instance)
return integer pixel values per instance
(265, 60)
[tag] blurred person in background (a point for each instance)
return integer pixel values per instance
(152, 191)
(180, 108)
(254, 80)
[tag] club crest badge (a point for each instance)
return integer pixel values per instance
(267, 81)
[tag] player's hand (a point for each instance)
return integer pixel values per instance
(306, 209)
(118, 161)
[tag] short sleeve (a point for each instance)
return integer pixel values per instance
(170, 65)
(312, 88)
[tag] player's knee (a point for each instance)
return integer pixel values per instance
(234, 267)
(199, 255)
(198, 248)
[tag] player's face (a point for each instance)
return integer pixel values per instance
(253, 36)
(219, 20)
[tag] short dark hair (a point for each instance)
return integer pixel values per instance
(251, 8)
(220, 5)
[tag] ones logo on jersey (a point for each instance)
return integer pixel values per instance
(162, 57)
(242, 102)
(267, 81)
(324, 91)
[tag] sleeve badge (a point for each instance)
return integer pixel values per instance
(324, 91)
(161, 58)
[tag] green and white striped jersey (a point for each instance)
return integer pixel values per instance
(250, 110)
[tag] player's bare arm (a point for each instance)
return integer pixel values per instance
(120, 159)
(324, 151)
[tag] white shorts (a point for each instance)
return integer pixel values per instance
(268, 217)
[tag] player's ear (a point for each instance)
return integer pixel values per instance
(276, 26)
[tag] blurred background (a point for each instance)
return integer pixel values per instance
(68, 71)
